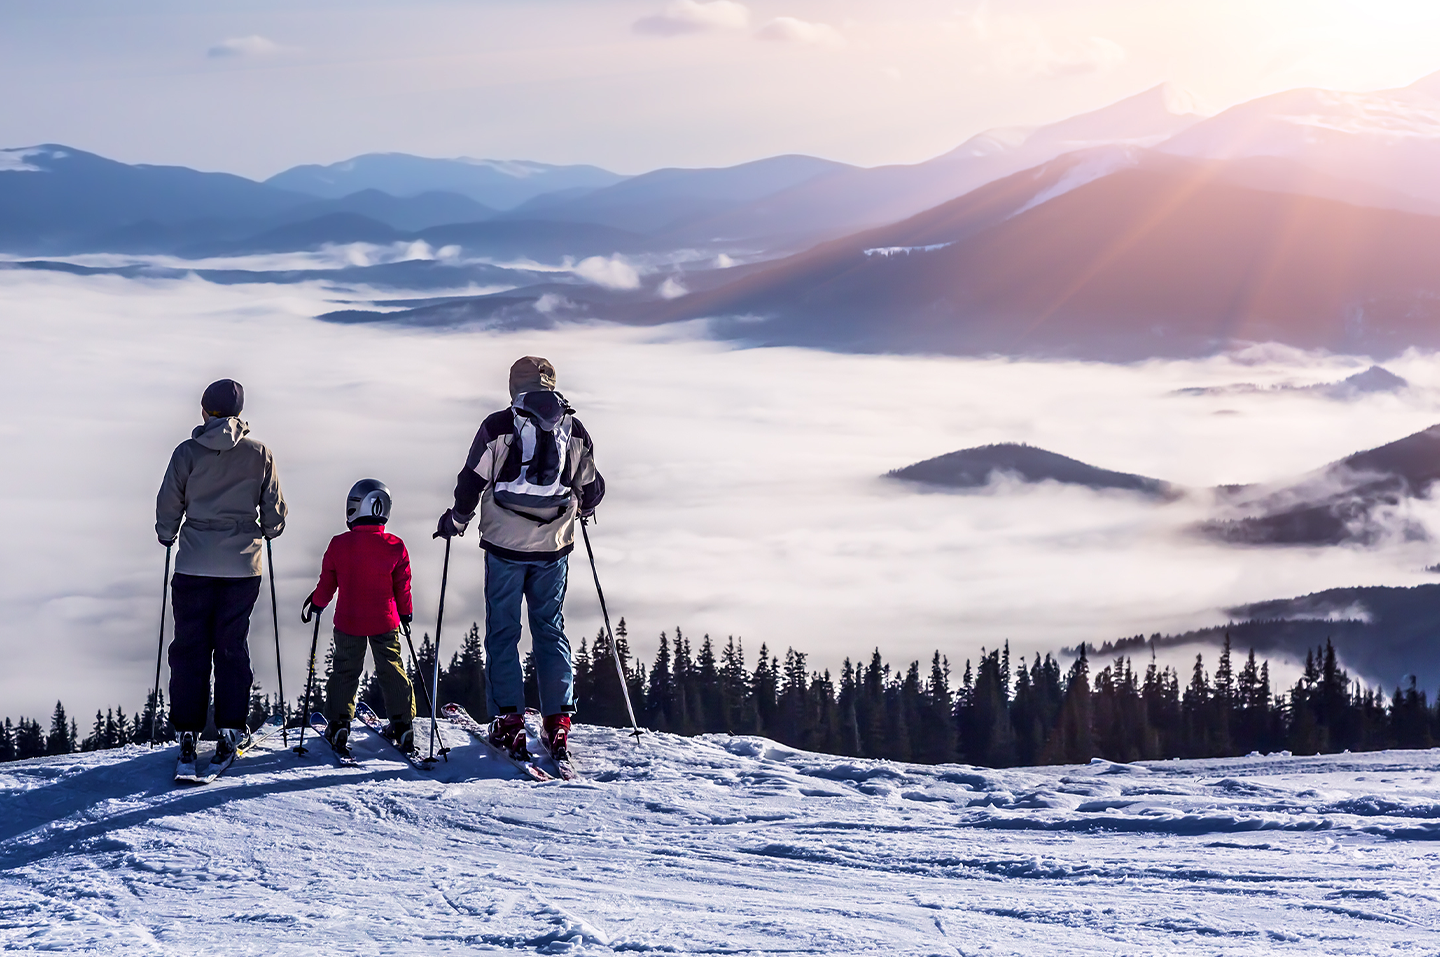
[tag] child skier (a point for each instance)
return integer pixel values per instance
(371, 569)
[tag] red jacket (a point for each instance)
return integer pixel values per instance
(372, 570)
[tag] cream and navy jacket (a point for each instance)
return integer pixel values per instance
(530, 471)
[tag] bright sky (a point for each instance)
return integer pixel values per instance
(258, 86)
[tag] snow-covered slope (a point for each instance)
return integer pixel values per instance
(1389, 138)
(720, 845)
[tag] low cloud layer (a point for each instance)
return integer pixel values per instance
(745, 495)
(689, 16)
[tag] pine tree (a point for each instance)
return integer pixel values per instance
(7, 741)
(935, 741)
(29, 740)
(660, 696)
(848, 724)
(708, 696)
(737, 704)
(58, 741)
(1073, 740)
(764, 690)
(463, 682)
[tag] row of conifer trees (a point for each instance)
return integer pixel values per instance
(996, 713)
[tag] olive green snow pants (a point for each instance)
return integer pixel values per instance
(344, 681)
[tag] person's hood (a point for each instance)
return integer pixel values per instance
(221, 434)
(547, 408)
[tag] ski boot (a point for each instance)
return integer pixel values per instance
(339, 738)
(186, 765)
(228, 743)
(403, 736)
(507, 732)
(556, 736)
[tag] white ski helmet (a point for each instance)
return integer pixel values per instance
(368, 498)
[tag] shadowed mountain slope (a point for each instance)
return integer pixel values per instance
(1107, 255)
(55, 196)
(1385, 634)
(1359, 499)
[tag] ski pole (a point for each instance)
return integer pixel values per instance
(279, 671)
(434, 699)
(614, 648)
(310, 677)
(160, 653)
(415, 663)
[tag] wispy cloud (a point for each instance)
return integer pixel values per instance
(611, 273)
(692, 16)
(1071, 58)
(794, 30)
(251, 46)
(1019, 46)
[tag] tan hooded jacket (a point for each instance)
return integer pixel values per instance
(223, 484)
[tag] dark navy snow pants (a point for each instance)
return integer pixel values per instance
(212, 620)
(542, 585)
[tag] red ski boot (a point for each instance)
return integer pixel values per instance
(507, 732)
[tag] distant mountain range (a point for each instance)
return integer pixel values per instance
(1372, 381)
(1358, 500)
(1142, 229)
(498, 184)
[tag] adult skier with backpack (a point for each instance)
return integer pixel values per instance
(530, 473)
(371, 570)
(223, 484)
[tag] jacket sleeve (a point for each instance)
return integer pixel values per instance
(329, 578)
(471, 481)
(170, 503)
(400, 581)
(272, 501)
(589, 483)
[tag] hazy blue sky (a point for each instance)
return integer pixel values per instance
(258, 86)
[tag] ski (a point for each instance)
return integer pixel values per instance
(459, 717)
(567, 768)
(272, 726)
(319, 725)
(373, 721)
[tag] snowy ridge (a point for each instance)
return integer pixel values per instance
(888, 251)
(720, 844)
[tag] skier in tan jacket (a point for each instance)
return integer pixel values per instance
(222, 483)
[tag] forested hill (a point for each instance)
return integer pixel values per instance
(995, 713)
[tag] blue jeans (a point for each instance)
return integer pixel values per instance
(542, 584)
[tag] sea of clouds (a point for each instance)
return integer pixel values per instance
(745, 499)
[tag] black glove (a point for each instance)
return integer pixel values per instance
(165, 543)
(587, 513)
(445, 528)
(406, 620)
(310, 608)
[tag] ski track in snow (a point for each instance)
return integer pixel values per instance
(719, 845)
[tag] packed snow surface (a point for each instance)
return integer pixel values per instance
(719, 844)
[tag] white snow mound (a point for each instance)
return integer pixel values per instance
(719, 845)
